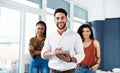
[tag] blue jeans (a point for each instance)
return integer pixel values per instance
(83, 69)
(39, 65)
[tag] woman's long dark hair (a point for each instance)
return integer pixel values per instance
(44, 24)
(80, 30)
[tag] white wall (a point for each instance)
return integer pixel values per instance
(96, 10)
(112, 8)
(101, 9)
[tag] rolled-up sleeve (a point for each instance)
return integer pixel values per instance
(79, 49)
(45, 48)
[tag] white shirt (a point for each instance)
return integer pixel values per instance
(70, 41)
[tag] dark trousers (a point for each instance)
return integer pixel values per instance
(56, 71)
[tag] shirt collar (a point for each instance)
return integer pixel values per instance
(65, 32)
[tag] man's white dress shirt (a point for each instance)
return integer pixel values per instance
(70, 41)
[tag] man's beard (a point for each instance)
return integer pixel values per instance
(62, 27)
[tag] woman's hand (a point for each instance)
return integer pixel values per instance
(37, 52)
(31, 47)
(94, 67)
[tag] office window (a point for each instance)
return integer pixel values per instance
(51, 6)
(37, 2)
(80, 17)
(51, 26)
(76, 25)
(32, 3)
(54, 4)
(9, 40)
(17, 26)
(31, 20)
(80, 13)
(77, 22)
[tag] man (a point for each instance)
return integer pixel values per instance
(58, 42)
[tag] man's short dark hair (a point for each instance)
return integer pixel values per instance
(60, 10)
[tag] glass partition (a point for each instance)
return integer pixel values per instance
(9, 40)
